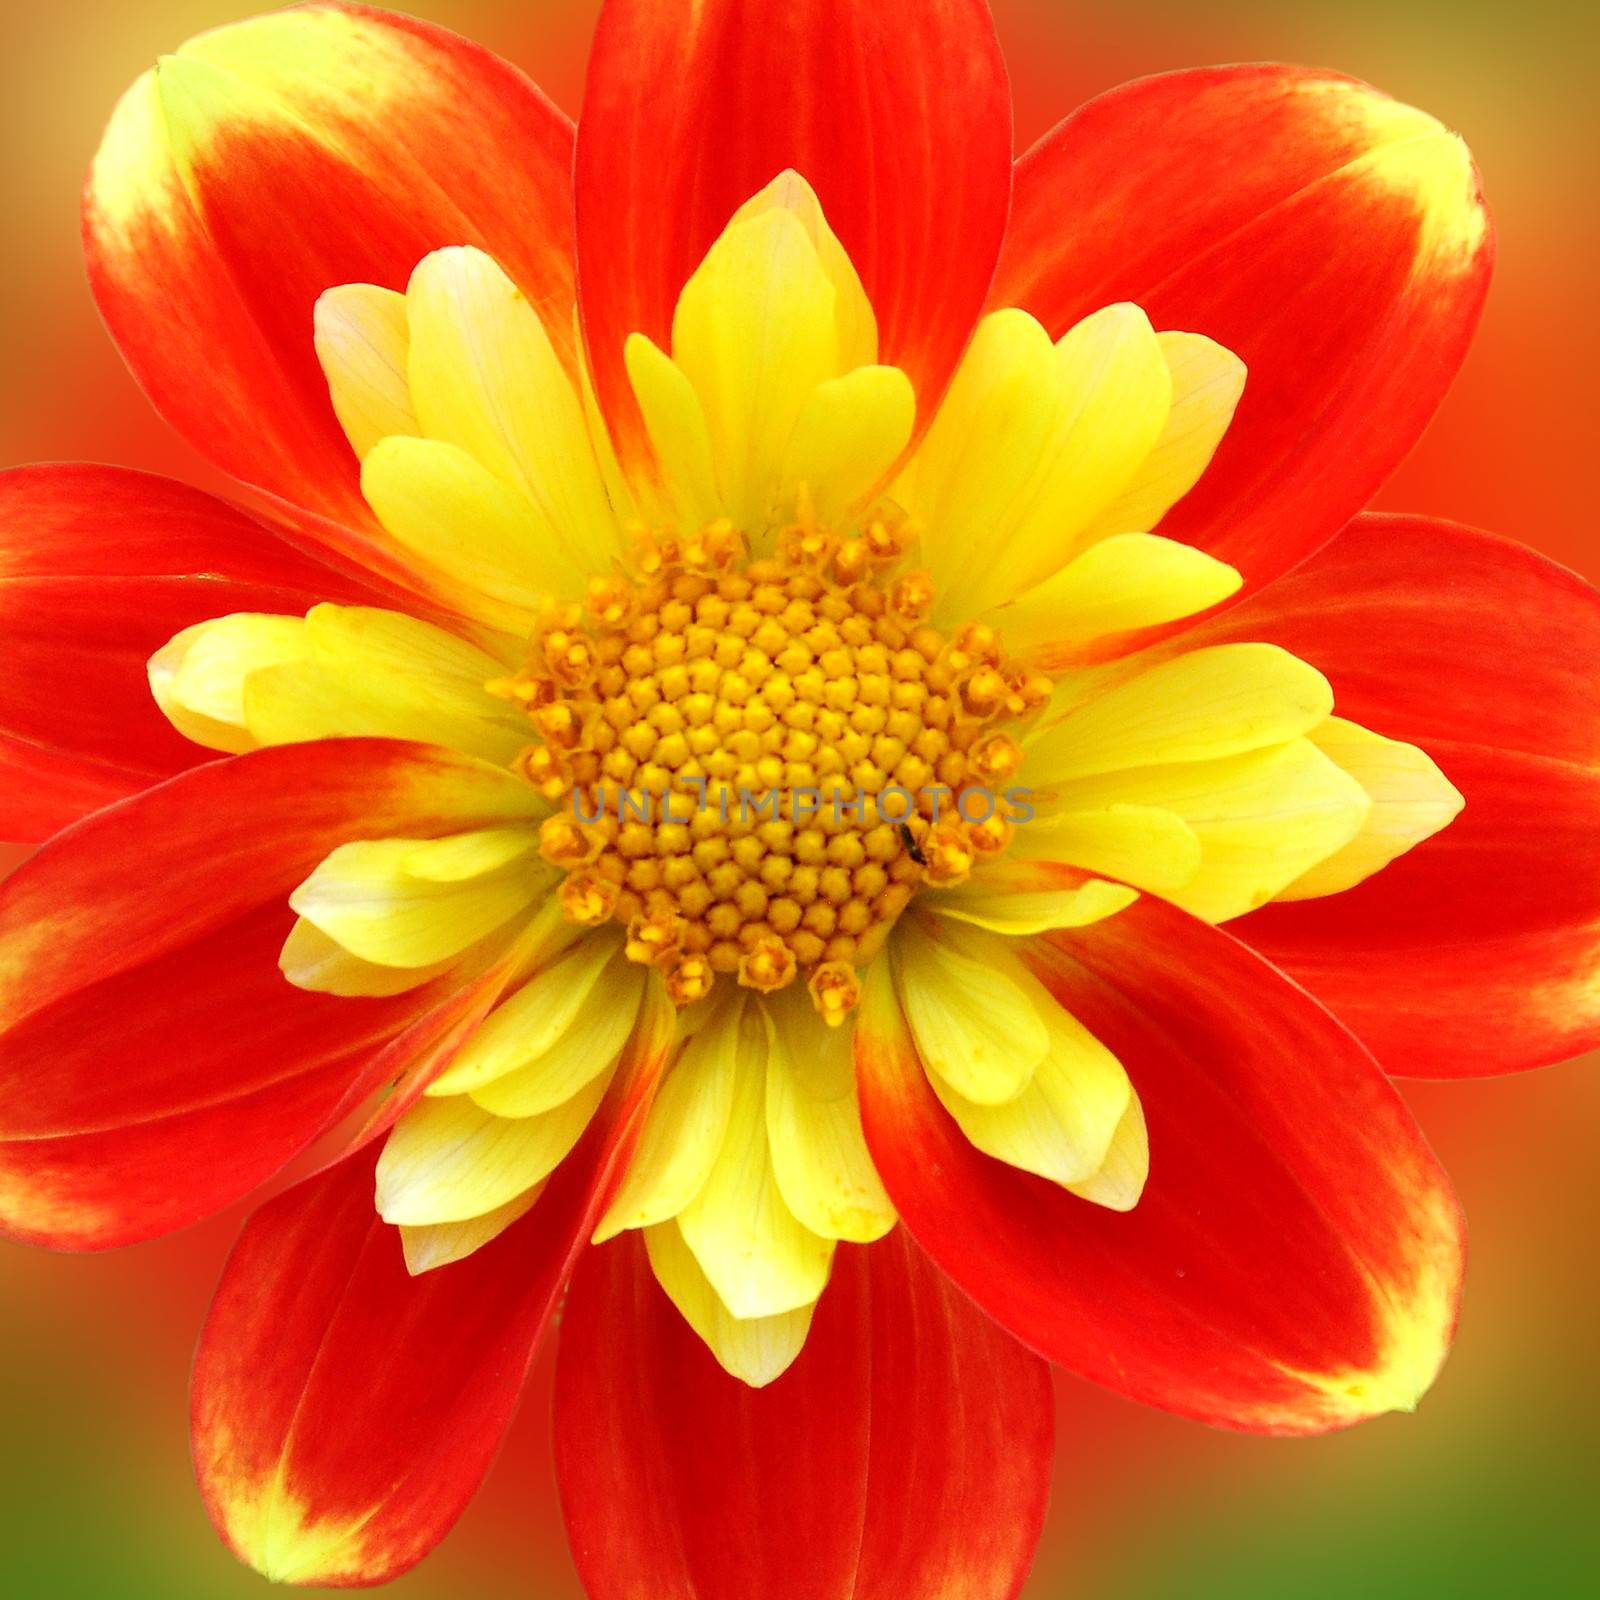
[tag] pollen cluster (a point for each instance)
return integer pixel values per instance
(754, 762)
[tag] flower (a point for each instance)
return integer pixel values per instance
(802, 704)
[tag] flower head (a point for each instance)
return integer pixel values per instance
(758, 668)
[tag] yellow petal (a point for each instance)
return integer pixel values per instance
(363, 343)
(970, 1011)
(619, 492)
(856, 326)
(449, 1160)
(1120, 1181)
(1262, 818)
(676, 422)
(1207, 380)
(1017, 896)
(477, 531)
(370, 672)
(529, 1022)
(753, 1349)
(759, 1257)
(592, 1044)
(1115, 395)
(1200, 706)
(819, 1152)
(850, 432)
(1131, 580)
(683, 1134)
(755, 333)
(412, 902)
(439, 1244)
(457, 857)
(983, 447)
(198, 676)
(383, 643)
(485, 376)
(1411, 801)
(1143, 845)
(1062, 1125)
(311, 960)
(1105, 396)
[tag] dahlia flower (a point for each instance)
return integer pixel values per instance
(795, 746)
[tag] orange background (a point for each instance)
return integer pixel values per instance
(1490, 1488)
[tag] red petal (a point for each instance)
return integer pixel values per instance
(43, 791)
(896, 111)
(906, 1453)
(1294, 1263)
(1431, 631)
(99, 567)
(1304, 220)
(271, 160)
(1479, 951)
(155, 1065)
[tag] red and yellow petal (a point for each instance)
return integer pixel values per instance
(905, 1453)
(99, 567)
(1480, 950)
(344, 1411)
(117, 1126)
(241, 178)
(1294, 1263)
(1332, 238)
(898, 114)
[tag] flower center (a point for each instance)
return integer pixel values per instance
(755, 762)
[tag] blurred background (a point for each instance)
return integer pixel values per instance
(1490, 1489)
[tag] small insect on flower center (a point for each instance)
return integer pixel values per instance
(754, 762)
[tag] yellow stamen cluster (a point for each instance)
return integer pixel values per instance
(755, 762)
